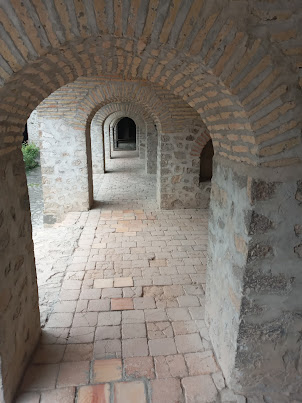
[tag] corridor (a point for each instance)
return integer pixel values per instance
(128, 323)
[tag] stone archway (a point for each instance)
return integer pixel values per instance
(244, 82)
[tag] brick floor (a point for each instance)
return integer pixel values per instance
(129, 255)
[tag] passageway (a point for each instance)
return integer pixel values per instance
(126, 184)
(131, 302)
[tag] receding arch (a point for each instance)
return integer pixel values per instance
(242, 77)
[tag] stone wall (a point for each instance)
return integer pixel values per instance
(178, 170)
(254, 279)
(97, 146)
(65, 161)
(19, 306)
(151, 151)
(33, 128)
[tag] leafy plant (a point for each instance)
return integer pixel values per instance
(30, 154)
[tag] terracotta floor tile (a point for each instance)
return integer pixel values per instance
(129, 392)
(106, 370)
(121, 304)
(94, 394)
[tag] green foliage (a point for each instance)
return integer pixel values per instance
(30, 154)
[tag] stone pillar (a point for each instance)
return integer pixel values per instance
(178, 172)
(142, 144)
(151, 152)
(97, 148)
(19, 305)
(66, 173)
(33, 128)
(254, 279)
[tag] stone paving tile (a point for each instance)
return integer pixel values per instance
(162, 347)
(78, 352)
(159, 330)
(112, 293)
(54, 335)
(81, 335)
(60, 320)
(106, 371)
(73, 374)
(184, 327)
(199, 389)
(133, 317)
(189, 343)
(64, 395)
(107, 349)
(144, 303)
(135, 347)
(170, 366)
(49, 354)
(40, 377)
(176, 314)
(129, 392)
(167, 391)
(201, 363)
(155, 315)
(85, 319)
(108, 332)
(139, 367)
(133, 330)
(109, 318)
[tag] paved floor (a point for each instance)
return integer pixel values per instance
(126, 322)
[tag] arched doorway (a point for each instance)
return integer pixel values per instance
(125, 136)
(206, 162)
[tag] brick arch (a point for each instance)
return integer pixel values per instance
(222, 78)
(141, 116)
(237, 64)
(200, 142)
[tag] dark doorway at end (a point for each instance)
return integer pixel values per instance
(125, 135)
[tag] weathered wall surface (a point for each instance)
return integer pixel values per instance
(204, 194)
(64, 163)
(254, 279)
(96, 132)
(151, 139)
(33, 128)
(179, 168)
(19, 306)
